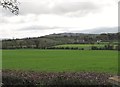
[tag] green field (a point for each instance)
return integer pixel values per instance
(85, 46)
(61, 60)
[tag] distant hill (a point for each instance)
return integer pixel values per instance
(58, 39)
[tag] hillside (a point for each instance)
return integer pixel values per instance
(59, 39)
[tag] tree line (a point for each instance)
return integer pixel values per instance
(48, 41)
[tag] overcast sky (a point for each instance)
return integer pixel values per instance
(42, 17)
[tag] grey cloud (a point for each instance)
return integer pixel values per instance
(2, 20)
(6, 20)
(58, 8)
(18, 19)
(72, 29)
(99, 30)
(106, 30)
(36, 28)
(68, 7)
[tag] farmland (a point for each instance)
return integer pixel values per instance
(87, 46)
(61, 60)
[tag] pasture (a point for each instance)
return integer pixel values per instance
(61, 60)
(86, 46)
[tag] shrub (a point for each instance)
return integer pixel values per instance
(60, 79)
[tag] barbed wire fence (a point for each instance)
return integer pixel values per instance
(11, 5)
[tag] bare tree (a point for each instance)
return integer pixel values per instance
(11, 5)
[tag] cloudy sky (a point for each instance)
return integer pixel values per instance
(42, 17)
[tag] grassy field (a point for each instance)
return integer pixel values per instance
(85, 46)
(61, 60)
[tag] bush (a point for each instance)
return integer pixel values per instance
(94, 48)
(16, 81)
(60, 79)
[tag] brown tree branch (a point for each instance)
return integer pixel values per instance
(12, 5)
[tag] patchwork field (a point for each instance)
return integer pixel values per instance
(61, 60)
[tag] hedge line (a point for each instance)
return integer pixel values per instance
(60, 79)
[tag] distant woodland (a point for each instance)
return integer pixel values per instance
(49, 41)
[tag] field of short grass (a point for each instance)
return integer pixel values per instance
(61, 60)
(86, 46)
